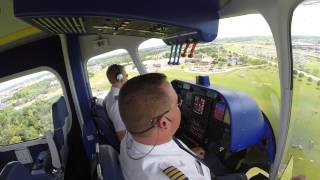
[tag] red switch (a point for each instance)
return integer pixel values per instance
(194, 44)
(184, 54)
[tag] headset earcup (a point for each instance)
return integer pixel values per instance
(119, 77)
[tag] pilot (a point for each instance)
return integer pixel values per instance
(149, 108)
(117, 76)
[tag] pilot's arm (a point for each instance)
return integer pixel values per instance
(117, 122)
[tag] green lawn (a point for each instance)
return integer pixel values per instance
(304, 129)
(313, 66)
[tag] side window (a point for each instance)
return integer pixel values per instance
(25, 107)
(98, 65)
(303, 142)
(243, 58)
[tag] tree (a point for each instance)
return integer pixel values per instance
(213, 55)
(295, 72)
(25, 124)
(310, 79)
(244, 59)
(301, 75)
(318, 83)
(90, 74)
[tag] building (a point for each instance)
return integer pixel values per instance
(234, 61)
(200, 58)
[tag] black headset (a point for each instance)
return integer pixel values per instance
(153, 123)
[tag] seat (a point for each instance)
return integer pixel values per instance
(15, 171)
(57, 142)
(61, 125)
(108, 163)
(104, 125)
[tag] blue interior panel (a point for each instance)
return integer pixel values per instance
(247, 123)
(83, 96)
(171, 18)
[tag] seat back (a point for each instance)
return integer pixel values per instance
(109, 163)
(62, 125)
(15, 171)
(104, 125)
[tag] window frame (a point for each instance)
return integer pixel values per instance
(30, 72)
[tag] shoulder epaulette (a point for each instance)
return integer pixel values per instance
(174, 173)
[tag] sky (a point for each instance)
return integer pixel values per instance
(20, 80)
(247, 25)
(304, 22)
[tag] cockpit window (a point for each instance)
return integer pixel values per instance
(26, 107)
(243, 58)
(155, 56)
(98, 65)
(304, 135)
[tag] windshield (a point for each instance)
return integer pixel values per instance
(242, 58)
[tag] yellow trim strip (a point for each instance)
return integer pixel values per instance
(255, 171)
(18, 35)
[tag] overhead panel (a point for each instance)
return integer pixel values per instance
(106, 25)
(174, 21)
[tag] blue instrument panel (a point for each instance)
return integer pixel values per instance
(231, 119)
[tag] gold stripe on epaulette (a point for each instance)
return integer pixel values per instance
(169, 169)
(174, 174)
(183, 177)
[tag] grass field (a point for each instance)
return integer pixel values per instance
(304, 129)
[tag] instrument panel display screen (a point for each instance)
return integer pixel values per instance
(219, 111)
(199, 104)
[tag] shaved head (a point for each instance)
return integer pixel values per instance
(143, 98)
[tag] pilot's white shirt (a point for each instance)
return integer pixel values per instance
(112, 107)
(159, 158)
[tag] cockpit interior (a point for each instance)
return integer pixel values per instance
(61, 36)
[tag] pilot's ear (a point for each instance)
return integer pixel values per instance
(163, 123)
